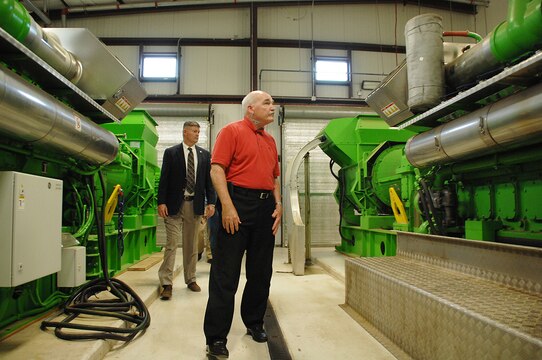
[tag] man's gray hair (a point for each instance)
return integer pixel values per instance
(250, 99)
(190, 123)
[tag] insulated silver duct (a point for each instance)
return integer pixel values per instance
(28, 113)
(465, 68)
(425, 61)
(509, 123)
(48, 47)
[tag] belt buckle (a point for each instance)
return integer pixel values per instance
(264, 195)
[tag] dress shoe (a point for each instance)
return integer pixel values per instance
(209, 261)
(258, 333)
(218, 350)
(166, 292)
(194, 287)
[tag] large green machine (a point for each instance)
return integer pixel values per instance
(67, 113)
(455, 148)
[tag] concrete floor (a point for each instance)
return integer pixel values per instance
(307, 309)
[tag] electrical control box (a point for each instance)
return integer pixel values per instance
(73, 272)
(30, 227)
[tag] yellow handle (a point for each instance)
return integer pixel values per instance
(397, 207)
(112, 204)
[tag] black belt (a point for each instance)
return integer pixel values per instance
(255, 193)
(188, 198)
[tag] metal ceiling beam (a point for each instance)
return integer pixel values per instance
(236, 99)
(465, 6)
(278, 43)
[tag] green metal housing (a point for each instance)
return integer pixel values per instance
(15, 19)
(491, 198)
(370, 155)
(135, 169)
(491, 194)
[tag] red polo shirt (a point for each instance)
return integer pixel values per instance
(249, 156)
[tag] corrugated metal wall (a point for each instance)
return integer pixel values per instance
(226, 70)
(301, 125)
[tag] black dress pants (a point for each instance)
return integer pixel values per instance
(255, 237)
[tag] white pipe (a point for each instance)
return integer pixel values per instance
(296, 228)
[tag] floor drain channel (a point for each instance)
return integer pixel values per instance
(278, 350)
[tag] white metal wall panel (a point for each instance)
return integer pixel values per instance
(226, 71)
(215, 70)
(229, 23)
(363, 23)
(284, 72)
(351, 23)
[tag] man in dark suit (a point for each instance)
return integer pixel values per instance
(185, 186)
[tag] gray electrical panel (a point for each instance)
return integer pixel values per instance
(73, 271)
(30, 227)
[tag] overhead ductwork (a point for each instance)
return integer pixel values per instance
(509, 123)
(29, 114)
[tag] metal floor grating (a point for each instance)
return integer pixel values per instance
(436, 312)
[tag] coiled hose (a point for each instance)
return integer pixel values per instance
(125, 305)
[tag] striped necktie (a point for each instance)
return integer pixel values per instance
(190, 178)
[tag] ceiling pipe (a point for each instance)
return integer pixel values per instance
(30, 5)
(166, 4)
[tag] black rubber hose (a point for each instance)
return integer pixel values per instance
(126, 304)
(426, 212)
(341, 199)
(429, 209)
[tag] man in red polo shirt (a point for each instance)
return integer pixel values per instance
(244, 171)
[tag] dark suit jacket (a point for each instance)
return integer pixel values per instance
(173, 180)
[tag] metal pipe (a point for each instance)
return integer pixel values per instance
(509, 123)
(171, 109)
(520, 34)
(313, 112)
(29, 114)
(310, 72)
(19, 24)
(308, 234)
(464, 33)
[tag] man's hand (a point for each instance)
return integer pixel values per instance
(230, 218)
(277, 214)
(162, 211)
(209, 211)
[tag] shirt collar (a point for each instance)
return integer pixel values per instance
(186, 146)
(251, 125)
